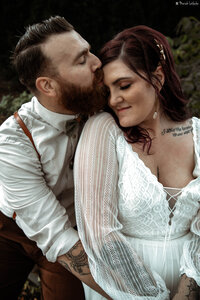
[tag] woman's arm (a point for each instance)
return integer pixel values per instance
(187, 289)
(112, 261)
(189, 286)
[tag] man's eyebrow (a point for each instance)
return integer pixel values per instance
(82, 52)
(119, 79)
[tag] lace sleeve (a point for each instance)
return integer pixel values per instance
(190, 261)
(113, 263)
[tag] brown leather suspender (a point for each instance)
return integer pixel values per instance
(28, 134)
(26, 131)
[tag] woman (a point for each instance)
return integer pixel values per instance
(137, 176)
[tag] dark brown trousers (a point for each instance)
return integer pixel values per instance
(18, 255)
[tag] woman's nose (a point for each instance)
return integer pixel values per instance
(114, 99)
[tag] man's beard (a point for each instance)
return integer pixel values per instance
(83, 100)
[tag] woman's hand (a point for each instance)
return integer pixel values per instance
(187, 289)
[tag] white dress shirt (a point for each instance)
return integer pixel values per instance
(40, 193)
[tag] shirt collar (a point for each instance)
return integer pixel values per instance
(54, 119)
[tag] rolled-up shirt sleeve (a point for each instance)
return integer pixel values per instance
(38, 212)
(190, 261)
(114, 264)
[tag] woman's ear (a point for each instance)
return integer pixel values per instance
(160, 77)
(46, 86)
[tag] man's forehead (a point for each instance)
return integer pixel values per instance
(64, 44)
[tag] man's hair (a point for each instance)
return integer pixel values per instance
(143, 49)
(28, 57)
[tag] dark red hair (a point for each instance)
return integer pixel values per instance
(140, 48)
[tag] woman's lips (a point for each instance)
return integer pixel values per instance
(123, 109)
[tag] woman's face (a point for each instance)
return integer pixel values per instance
(131, 98)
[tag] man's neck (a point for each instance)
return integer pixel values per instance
(53, 105)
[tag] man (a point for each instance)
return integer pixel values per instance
(37, 215)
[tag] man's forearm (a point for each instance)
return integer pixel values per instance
(76, 261)
(187, 289)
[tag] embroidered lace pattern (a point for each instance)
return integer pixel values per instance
(117, 197)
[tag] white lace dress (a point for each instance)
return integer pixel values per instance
(136, 243)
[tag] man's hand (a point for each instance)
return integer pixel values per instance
(75, 261)
(187, 289)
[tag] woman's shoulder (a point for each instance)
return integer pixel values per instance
(196, 125)
(102, 117)
(196, 121)
(196, 130)
(102, 121)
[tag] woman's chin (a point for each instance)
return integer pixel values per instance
(125, 122)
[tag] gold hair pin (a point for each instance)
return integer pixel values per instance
(160, 46)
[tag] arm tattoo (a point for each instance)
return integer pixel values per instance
(192, 288)
(65, 265)
(77, 258)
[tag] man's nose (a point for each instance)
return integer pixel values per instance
(96, 63)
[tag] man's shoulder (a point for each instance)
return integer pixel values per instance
(9, 129)
(25, 109)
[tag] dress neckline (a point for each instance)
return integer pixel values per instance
(172, 188)
(155, 177)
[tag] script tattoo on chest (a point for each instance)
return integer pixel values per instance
(178, 131)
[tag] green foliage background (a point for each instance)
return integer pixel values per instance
(10, 103)
(186, 50)
(96, 20)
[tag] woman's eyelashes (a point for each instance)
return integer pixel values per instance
(124, 87)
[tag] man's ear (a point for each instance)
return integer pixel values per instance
(46, 86)
(160, 76)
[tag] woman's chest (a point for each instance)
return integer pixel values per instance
(171, 161)
(142, 195)
(144, 203)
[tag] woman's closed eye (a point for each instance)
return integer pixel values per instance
(124, 87)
